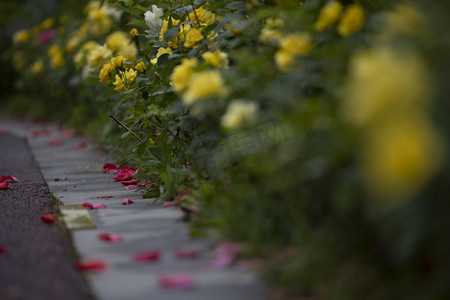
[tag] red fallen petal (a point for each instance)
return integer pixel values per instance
(3, 249)
(8, 178)
(126, 201)
(68, 132)
(2, 132)
(225, 254)
(129, 182)
(110, 168)
(186, 254)
(147, 256)
(48, 218)
(98, 205)
(46, 132)
(176, 281)
(169, 203)
(125, 174)
(35, 133)
(132, 187)
(79, 145)
(91, 265)
(113, 238)
(56, 142)
(88, 205)
(3, 186)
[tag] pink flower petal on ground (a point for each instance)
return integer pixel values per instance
(153, 255)
(56, 142)
(79, 145)
(126, 201)
(98, 206)
(225, 255)
(176, 281)
(35, 133)
(88, 205)
(3, 186)
(132, 187)
(169, 203)
(46, 132)
(186, 254)
(48, 218)
(112, 238)
(110, 168)
(9, 179)
(129, 182)
(91, 265)
(125, 174)
(68, 132)
(3, 250)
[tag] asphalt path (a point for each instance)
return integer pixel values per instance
(40, 258)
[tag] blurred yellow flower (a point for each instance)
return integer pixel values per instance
(403, 19)
(47, 23)
(117, 61)
(134, 32)
(193, 38)
(352, 20)
(56, 55)
(182, 74)
(284, 60)
(129, 52)
(37, 67)
(19, 60)
(21, 36)
(140, 66)
(270, 31)
(118, 40)
(161, 51)
(203, 85)
(98, 55)
(105, 72)
(217, 59)
(239, 113)
(83, 52)
(329, 15)
(385, 81)
(400, 156)
(296, 43)
(202, 16)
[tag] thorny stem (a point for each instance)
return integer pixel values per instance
(124, 126)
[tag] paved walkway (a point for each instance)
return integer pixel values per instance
(75, 176)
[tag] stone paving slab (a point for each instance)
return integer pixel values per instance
(75, 176)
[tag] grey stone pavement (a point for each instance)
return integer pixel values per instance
(75, 176)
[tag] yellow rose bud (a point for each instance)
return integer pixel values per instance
(352, 21)
(329, 14)
(134, 32)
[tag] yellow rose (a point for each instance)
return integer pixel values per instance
(329, 14)
(117, 61)
(271, 31)
(105, 72)
(118, 40)
(217, 59)
(98, 55)
(134, 32)
(173, 42)
(140, 66)
(202, 16)
(297, 43)
(284, 60)
(193, 38)
(37, 67)
(119, 85)
(182, 74)
(125, 79)
(203, 85)
(352, 21)
(239, 113)
(21, 36)
(48, 23)
(161, 51)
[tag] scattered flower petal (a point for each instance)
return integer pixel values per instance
(68, 132)
(79, 145)
(2, 132)
(3, 250)
(3, 186)
(48, 218)
(186, 254)
(56, 142)
(110, 168)
(98, 206)
(153, 255)
(129, 182)
(127, 201)
(112, 238)
(124, 174)
(91, 265)
(169, 203)
(9, 179)
(176, 281)
(132, 187)
(88, 205)
(225, 254)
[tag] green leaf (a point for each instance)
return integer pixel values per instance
(171, 33)
(152, 194)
